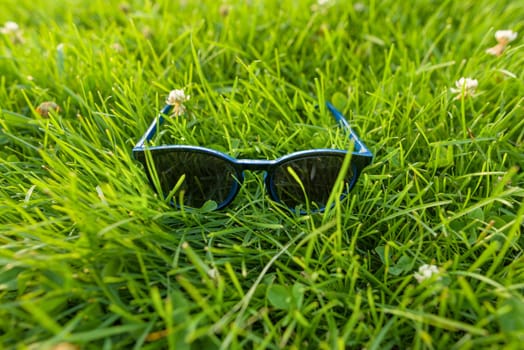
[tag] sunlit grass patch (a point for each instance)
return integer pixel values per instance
(425, 252)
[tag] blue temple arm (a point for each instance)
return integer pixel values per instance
(151, 131)
(360, 147)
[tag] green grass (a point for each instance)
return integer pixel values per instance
(90, 256)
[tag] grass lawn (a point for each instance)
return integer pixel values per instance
(425, 253)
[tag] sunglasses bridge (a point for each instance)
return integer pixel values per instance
(255, 164)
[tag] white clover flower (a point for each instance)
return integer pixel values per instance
(321, 5)
(213, 273)
(10, 27)
(505, 36)
(13, 31)
(359, 7)
(425, 272)
(465, 87)
(467, 83)
(176, 99)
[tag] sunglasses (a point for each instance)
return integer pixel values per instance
(302, 181)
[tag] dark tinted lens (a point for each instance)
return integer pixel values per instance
(317, 176)
(207, 177)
